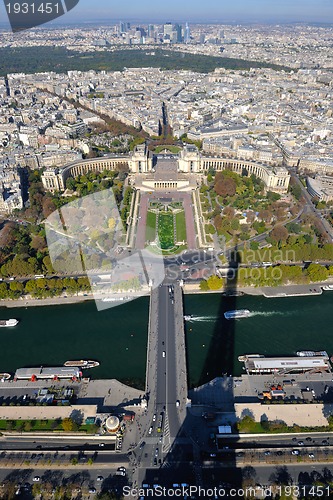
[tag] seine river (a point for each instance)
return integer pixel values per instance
(117, 337)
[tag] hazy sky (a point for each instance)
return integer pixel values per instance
(200, 10)
(207, 10)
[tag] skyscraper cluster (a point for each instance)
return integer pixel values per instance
(168, 33)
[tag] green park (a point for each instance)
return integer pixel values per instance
(166, 226)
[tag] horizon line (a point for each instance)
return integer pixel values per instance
(103, 22)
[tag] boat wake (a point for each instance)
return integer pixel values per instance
(200, 318)
(267, 313)
(211, 319)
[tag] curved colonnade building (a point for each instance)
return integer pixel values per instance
(189, 161)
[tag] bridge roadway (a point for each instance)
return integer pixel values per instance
(166, 378)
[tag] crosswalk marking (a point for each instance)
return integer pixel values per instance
(166, 435)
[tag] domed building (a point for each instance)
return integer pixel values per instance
(112, 424)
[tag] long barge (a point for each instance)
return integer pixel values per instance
(303, 362)
(82, 363)
(47, 373)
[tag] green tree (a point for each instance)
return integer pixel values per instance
(204, 285)
(30, 286)
(27, 426)
(83, 283)
(254, 245)
(259, 227)
(316, 272)
(70, 284)
(214, 282)
(41, 283)
(47, 266)
(246, 424)
(67, 424)
(235, 224)
(293, 227)
(296, 191)
(271, 196)
(3, 290)
(71, 184)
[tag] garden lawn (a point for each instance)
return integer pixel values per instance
(151, 226)
(166, 230)
(181, 226)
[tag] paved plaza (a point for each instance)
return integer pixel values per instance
(185, 198)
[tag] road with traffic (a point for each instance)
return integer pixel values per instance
(166, 379)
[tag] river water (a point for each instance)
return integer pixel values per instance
(117, 337)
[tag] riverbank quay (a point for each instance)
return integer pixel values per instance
(89, 394)
(234, 397)
(292, 291)
(66, 299)
(102, 392)
(289, 290)
(97, 399)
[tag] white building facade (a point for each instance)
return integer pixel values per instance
(189, 161)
